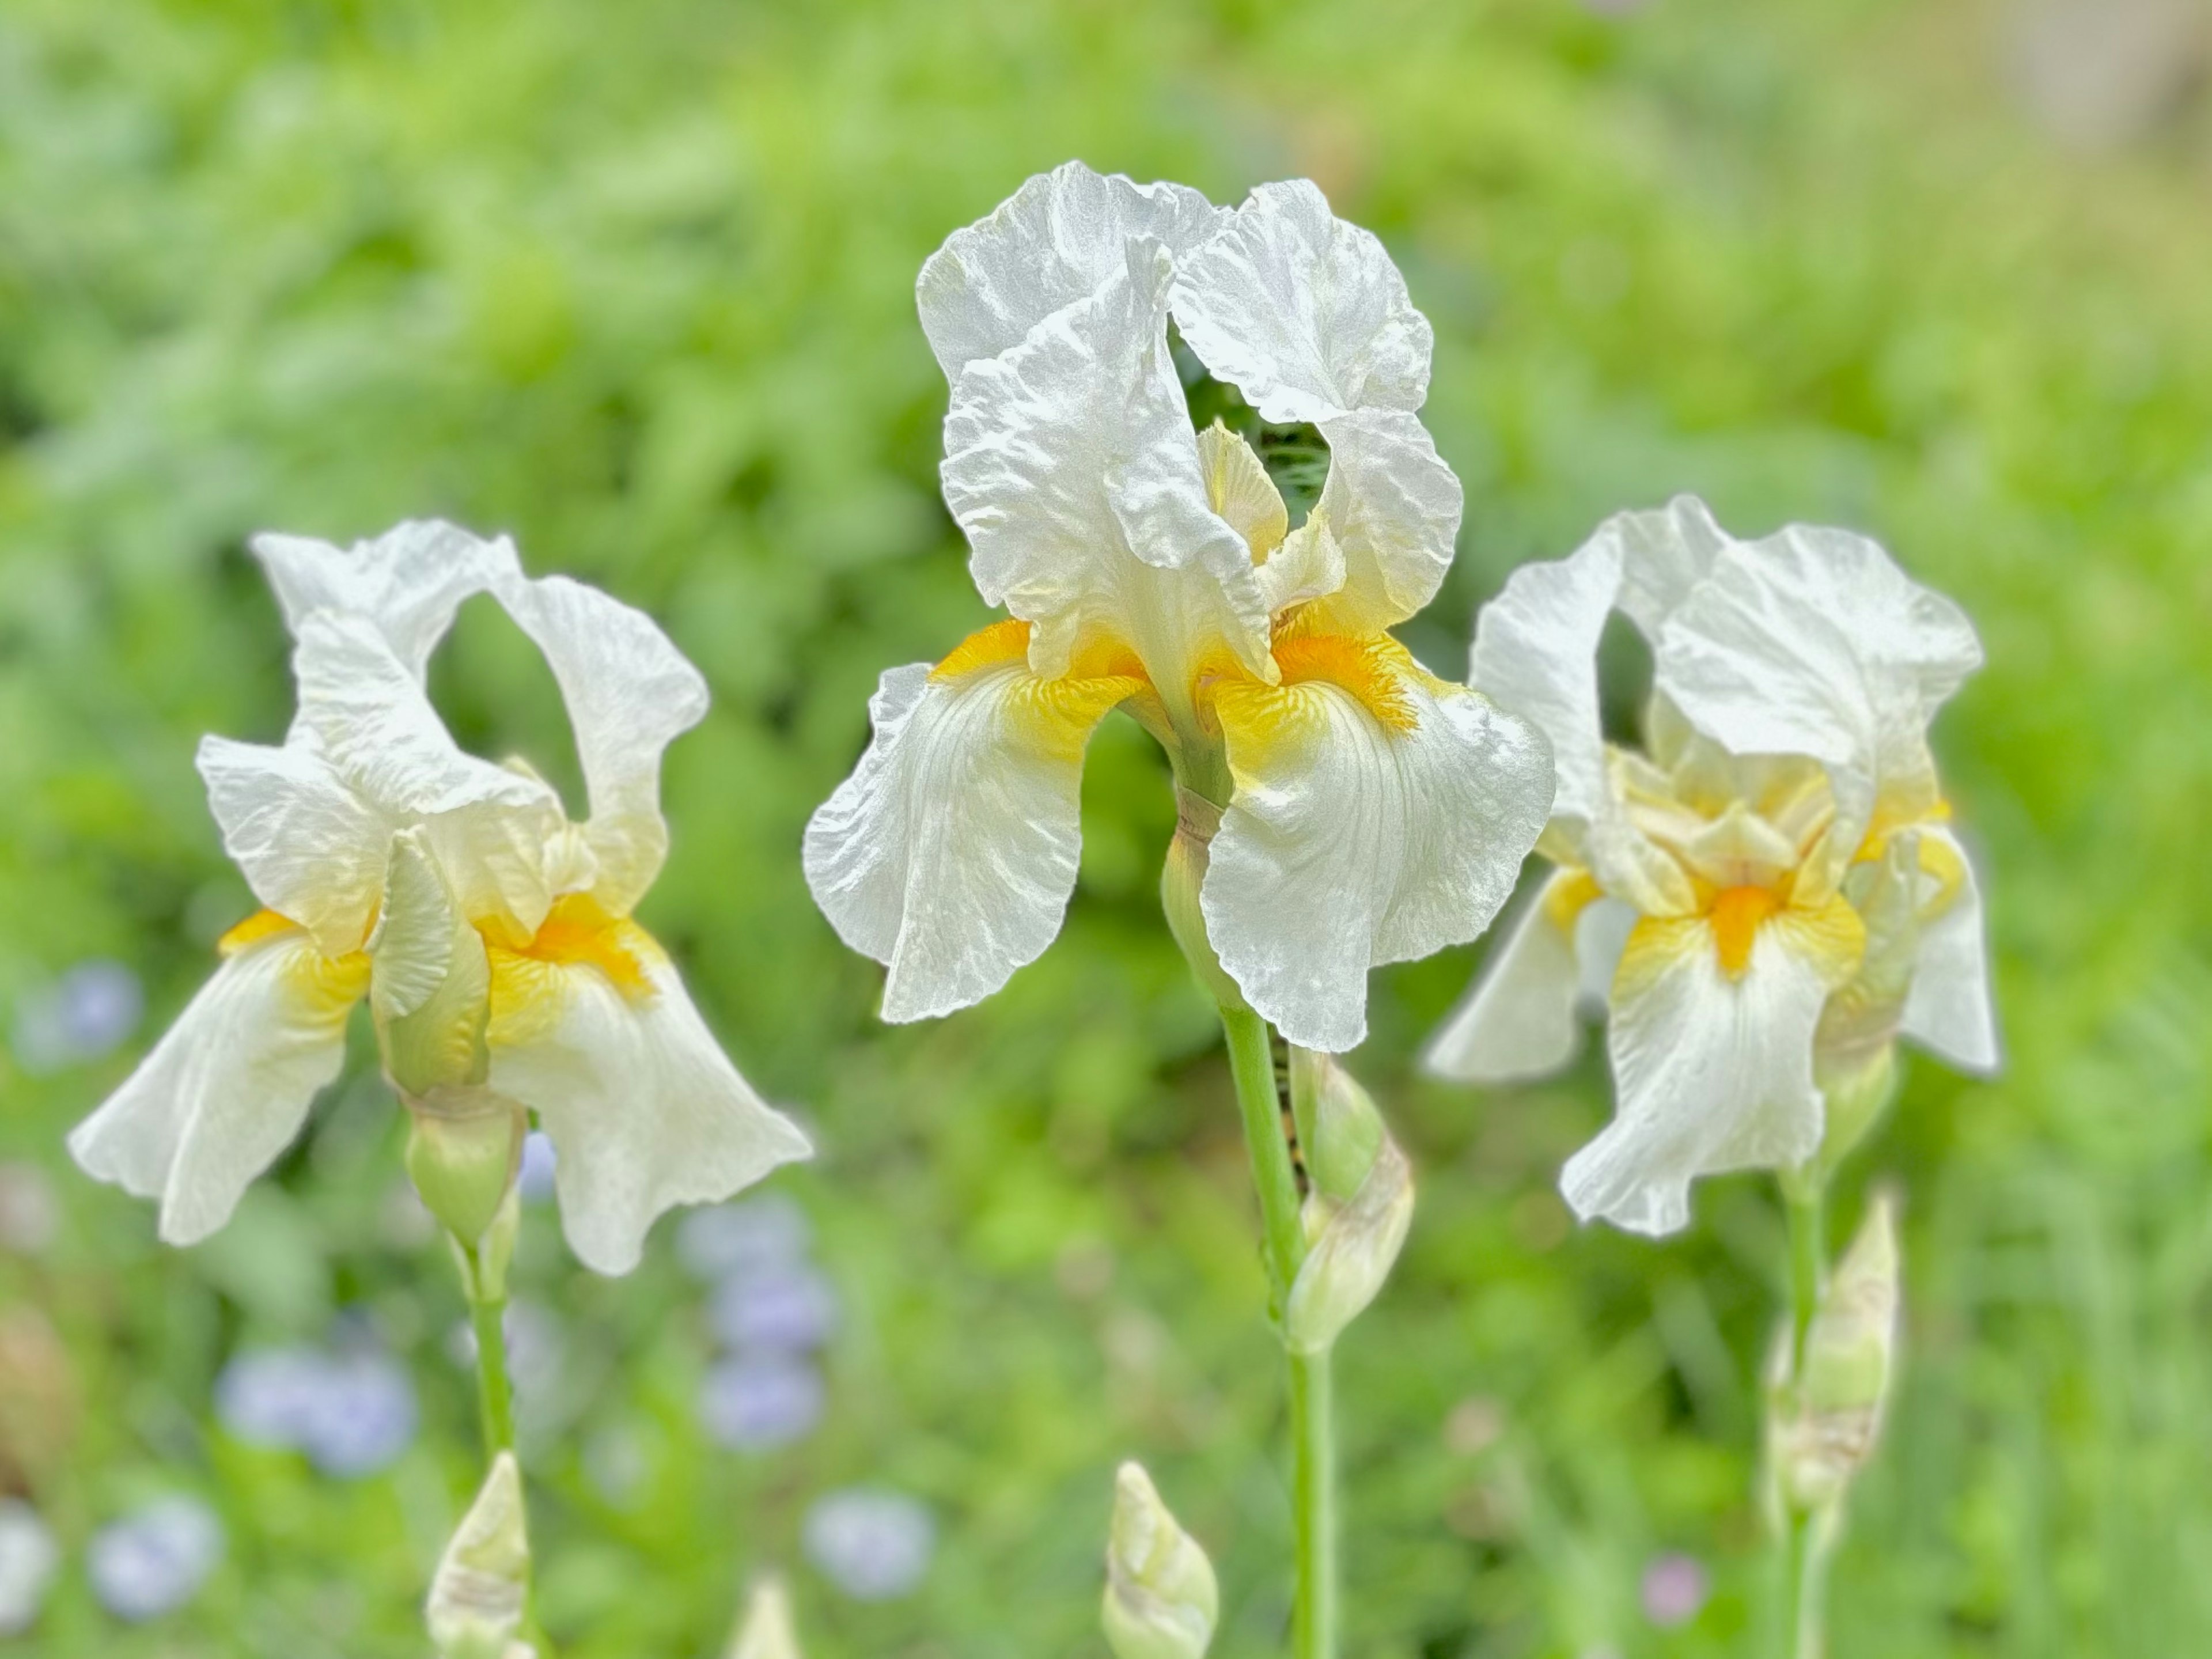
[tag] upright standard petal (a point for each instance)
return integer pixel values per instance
(1812, 642)
(1379, 815)
(951, 852)
(1048, 245)
(631, 693)
(1949, 1009)
(1536, 653)
(1712, 1070)
(311, 848)
(490, 825)
(408, 581)
(226, 1089)
(1071, 464)
(593, 1031)
(1303, 310)
(1519, 1020)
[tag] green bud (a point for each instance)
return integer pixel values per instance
(463, 1151)
(482, 1581)
(1161, 1600)
(1184, 873)
(1342, 1130)
(1353, 1247)
(429, 984)
(768, 1632)
(1830, 1415)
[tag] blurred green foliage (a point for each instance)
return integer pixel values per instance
(634, 282)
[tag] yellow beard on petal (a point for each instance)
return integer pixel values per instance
(1376, 671)
(528, 986)
(1831, 935)
(1055, 716)
(330, 984)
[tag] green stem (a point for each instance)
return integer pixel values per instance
(1804, 1554)
(1251, 1060)
(1313, 1612)
(495, 1396)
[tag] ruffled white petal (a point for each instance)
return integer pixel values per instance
(1051, 243)
(950, 853)
(408, 581)
(1350, 842)
(1812, 642)
(1304, 311)
(311, 848)
(644, 1110)
(228, 1087)
(1710, 1073)
(1536, 653)
(1518, 1020)
(631, 693)
(1393, 507)
(489, 826)
(1949, 1009)
(1070, 463)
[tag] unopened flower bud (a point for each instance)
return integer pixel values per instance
(1832, 1410)
(482, 1581)
(768, 1632)
(1353, 1247)
(1343, 1129)
(1161, 1600)
(463, 1152)
(1180, 878)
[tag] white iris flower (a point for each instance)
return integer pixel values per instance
(492, 936)
(1368, 812)
(1767, 896)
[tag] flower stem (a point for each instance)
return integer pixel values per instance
(1804, 1552)
(1251, 1060)
(495, 1396)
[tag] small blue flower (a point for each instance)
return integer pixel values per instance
(873, 1544)
(536, 1180)
(788, 1308)
(28, 1556)
(768, 1231)
(155, 1560)
(760, 1402)
(363, 1416)
(266, 1397)
(85, 1015)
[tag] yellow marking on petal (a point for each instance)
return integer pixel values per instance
(1737, 914)
(1375, 670)
(1569, 893)
(987, 648)
(261, 925)
(1655, 944)
(529, 985)
(1831, 935)
(1939, 858)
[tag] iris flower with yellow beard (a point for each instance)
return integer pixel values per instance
(1769, 894)
(1349, 808)
(492, 937)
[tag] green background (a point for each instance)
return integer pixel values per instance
(635, 281)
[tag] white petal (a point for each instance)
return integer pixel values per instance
(951, 851)
(1308, 565)
(1070, 464)
(1350, 842)
(631, 693)
(1949, 1009)
(1710, 1073)
(1813, 642)
(1051, 243)
(1518, 1020)
(489, 826)
(408, 581)
(644, 1110)
(1393, 507)
(1305, 313)
(312, 849)
(1536, 653)
(1237, 487)
(1664, 553)
(226, 1089)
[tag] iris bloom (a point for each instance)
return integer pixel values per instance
(1768, 893)
(492, 936)
(1361, 811)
